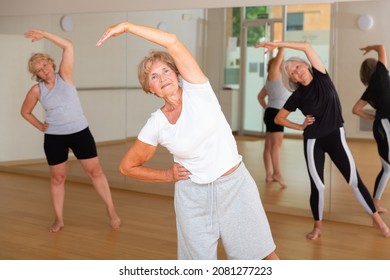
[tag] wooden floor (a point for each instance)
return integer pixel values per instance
(148, 231)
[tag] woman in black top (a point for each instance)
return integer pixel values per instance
(315, 96)
(375, 76)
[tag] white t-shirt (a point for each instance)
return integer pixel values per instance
(201, 140)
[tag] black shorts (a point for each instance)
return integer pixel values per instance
(269, 120)
(57, 147)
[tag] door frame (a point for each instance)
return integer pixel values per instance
(268, 23)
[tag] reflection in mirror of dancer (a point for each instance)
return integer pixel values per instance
(315, 95)
(276, 95)
(375, 76)
(65, 126)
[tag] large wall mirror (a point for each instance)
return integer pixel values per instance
(117, 108)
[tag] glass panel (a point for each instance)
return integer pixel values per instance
(295, 21)
(255, 74)
(232, 61)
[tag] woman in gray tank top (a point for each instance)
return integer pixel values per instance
(65, 126)
(277, 95)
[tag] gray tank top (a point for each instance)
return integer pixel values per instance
(277, 93)
(62, 106)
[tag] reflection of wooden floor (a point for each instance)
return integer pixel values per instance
(148, 230)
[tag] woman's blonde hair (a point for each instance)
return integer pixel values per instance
(287, 82)
(36, 57)
(367, 68)
(146, 64)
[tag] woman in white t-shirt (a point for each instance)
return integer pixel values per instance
(215, 196)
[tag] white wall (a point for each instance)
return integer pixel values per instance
(17, 138)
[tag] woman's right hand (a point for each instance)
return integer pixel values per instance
(269, 46)
(366, 49)
(34, 35)
(112, 31)
(309, 120)
(44, 127)
(178, 172)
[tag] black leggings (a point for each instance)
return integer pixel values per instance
(381, 130)
(336, 146)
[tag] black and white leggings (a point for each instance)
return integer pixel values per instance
(381, 130)
(336, 146)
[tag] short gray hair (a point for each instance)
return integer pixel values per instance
(287, 82)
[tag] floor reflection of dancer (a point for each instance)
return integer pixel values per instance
(277, 95)
(215, 196)
(375, 76)
(315, 96)
(65, 126)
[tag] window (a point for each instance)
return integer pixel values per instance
(294, 21)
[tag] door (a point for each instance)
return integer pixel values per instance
(254, 70)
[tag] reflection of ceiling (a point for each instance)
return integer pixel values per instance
(37, 7)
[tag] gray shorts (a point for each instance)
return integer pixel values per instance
(229, 209)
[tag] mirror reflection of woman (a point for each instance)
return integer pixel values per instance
(375, 76)
(276, 95)
(315, 96)
(215, 196)
(65, 126)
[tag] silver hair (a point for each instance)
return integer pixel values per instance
(287, 82)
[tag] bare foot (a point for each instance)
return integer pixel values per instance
(269, 179)
(314, 234)
(115, 222)
(280, 180)
(379, 208)
(385, 230)
(386, 233)
(56, 227)
(378, 222)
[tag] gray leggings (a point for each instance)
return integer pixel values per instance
(229, 209)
